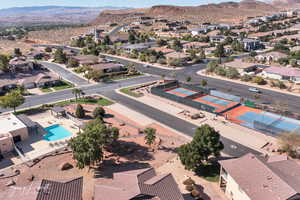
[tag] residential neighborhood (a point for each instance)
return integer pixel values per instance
(138, 105)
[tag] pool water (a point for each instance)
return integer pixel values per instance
(56, 132)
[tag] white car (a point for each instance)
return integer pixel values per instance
(253, 89)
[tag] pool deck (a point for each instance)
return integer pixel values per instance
(36, 145)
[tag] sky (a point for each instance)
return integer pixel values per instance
(98, 3)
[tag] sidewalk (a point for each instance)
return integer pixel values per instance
(201, 72)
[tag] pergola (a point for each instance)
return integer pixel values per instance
(58, 111)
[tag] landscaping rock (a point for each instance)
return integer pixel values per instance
(31, 178)
(65, 166)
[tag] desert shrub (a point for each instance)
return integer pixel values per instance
(189, 188)
(189, 181)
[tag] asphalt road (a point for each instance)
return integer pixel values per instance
(35, 100)
(231, 148)
(268, 96)
(108, 89)
(65, 74)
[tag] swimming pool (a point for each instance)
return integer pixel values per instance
(56, 132)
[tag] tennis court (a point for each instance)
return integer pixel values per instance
(265, 121)
(181, 92)
(218, 103)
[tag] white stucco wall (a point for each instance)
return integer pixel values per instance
(233, 191)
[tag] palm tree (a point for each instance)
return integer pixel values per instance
(77, 92)
(150, 135)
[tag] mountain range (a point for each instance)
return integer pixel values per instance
(50, 14)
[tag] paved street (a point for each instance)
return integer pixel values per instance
(65, 74)
(221, 85)
(231, 148)
(108, 89)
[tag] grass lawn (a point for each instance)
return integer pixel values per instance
(129, 92)
(115, 78)
(101, 102)
(63, 85)
(46, 90)
(209, 172)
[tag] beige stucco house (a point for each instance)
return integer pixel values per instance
(12, 130)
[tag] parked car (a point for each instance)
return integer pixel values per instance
(253, 89)
(146, 66)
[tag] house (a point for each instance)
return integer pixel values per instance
(164, 50)
(199, 31)
(130, 48)
(182, 57)
(14, 129)
(253, 177)
(243, 67)
(108, 67)
(251, 44)
(31, 80)
(209, 50)
(36, 54)
(87, 59)
(217, 38)
(273, 56)
(282, 73)
(21, 64)
(195, 45)
(139, 184)
(46, 190)
(296, 48)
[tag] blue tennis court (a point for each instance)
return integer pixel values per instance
(269, 119)
(182, 92)
(216, 100)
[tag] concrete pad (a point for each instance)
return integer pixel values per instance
(163, 106)
(141, 119)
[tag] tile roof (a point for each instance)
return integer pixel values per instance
(283, 71)
(265, 178)
(46, 190)
(142, 182)
(52, 190)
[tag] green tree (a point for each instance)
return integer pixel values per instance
(259, 80)
(13, 99)
(72, 63)
(106, 40)
(17, 52)
(206, 142)
(177, 46)
(211, 66)
(203, 82)
(99, 112)
(60, 56)
(131, 38)
(48, 49)
(150, 135)
(88, 145)
(80, 112)
(4, 60)
(161, 42)
(220, 51)
(232, 73)
(188, 79)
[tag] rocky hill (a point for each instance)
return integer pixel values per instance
(49, 14)
(216, 13)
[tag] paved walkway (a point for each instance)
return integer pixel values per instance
(65, 74)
